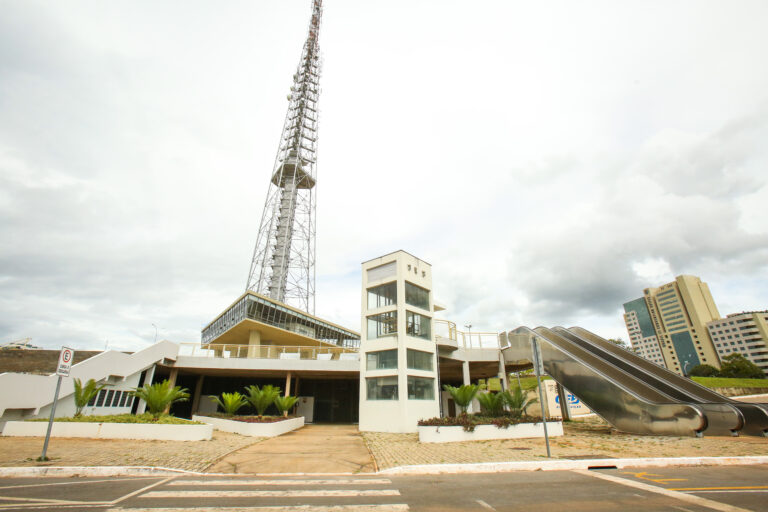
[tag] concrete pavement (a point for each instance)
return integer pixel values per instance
(311, 449)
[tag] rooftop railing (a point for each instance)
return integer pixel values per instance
(465, 340)
(269, 352)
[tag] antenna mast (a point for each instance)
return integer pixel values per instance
(283, 264)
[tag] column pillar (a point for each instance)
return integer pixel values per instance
(288, 384)
(147, 380)
(564, 411)
(171, 383)
(297, 386)
(465, 379)
(196, 397)
(254, 343)
(503, 373)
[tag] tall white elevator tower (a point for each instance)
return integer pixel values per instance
(283, 264)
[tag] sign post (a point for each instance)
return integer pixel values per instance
(538, 365)
(62, 370)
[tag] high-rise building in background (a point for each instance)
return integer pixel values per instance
(745, 333)
(678, 313)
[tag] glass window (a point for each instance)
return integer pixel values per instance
(417, 325)
(382, 388)
(382, 360)
(418, 360)
(100, 400)
(421, 388)
(384, 295)
(383, 324)
(416, 296)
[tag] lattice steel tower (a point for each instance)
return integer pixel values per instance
(283, 265)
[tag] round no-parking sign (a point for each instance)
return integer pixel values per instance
(65, 361)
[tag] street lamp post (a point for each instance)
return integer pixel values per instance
(153, 325)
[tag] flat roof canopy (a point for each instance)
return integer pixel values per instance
(279, 324)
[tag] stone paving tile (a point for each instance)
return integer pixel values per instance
(581, 441)
(189, 455)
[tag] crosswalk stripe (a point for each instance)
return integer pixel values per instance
(338, 493)
(292, 508)
(346, 481)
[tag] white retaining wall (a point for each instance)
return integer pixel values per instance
(272, 429)
(189, 432)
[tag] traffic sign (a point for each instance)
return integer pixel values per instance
(65, 361)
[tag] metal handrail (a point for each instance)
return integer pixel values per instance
(235, 351)
(466, 340)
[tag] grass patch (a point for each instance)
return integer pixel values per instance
(528, 383)
(165, 419)
(721, 382)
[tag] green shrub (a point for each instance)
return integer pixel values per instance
(463, 395)
(262, 398)
(84, 394)
(491, 403)
(230, 402)
(160, 395)
(517, 400)
(285, 403)
(736, 366)
(703, 370)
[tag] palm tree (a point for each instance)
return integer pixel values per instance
(285, 403)
(230, 402)
(518, 401)
(492, 403)
(84, 394)
(463, 395)
(262, 398)
(160, 395)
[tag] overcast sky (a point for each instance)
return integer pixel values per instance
(549, 159)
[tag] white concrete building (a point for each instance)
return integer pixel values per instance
(398, 365)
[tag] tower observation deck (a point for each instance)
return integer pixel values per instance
(283, 264)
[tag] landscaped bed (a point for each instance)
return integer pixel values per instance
(165, 419)
(254, 426)
(475, 427)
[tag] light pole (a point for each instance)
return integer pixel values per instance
(469, 331)
(153, 325)
(685, 368)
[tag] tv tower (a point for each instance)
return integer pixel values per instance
(283, 264)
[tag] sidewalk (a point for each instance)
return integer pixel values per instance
(311, 449)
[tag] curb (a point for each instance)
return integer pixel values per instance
(569, 465)
(424, 469)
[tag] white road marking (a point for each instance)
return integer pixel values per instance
(485, 505)
(338, 493)
(292, 508)
(346, 481)
(139, 491)
(78, 482)
(690, 498)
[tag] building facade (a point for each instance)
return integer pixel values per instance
(398, 363)
(678, 313)
(744, 333)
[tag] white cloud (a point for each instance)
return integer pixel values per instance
(548, 159)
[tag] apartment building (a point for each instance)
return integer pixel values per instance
(676, 314)
(745, 333)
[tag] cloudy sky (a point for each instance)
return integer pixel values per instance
(549, 159)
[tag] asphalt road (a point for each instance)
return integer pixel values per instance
(729, 488)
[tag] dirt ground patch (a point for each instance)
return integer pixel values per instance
(581, 440)
(189, 455)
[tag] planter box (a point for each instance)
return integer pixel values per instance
(485, 432)
(189, 432)
(272, 429)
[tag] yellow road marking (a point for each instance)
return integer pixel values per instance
(644, 476)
